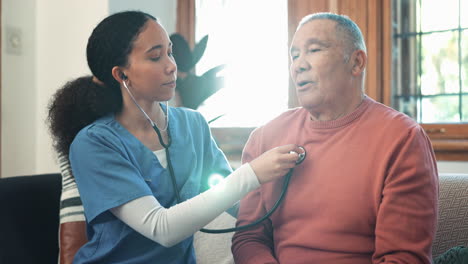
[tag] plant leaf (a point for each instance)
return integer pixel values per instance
(216, 118)
(210, 86)
(194, 90)
(199, 50)
(211, 73)
(182, 53)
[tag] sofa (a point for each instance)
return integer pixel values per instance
(30, 208)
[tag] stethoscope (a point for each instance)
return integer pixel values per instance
(166, 146)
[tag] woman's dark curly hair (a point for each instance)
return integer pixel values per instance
(82, 101)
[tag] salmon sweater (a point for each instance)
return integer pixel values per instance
(367, 191)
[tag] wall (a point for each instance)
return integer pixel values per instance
(61, 45)
(452, 167)
(19, 92)
(54, 36)
(164, 10)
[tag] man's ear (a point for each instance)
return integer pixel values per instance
(359, 62)
(118, 74)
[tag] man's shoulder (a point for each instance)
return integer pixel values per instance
(390, 119)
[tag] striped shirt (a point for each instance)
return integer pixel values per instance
(71, 207)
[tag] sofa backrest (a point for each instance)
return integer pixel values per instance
(452, 228)
(29, 218)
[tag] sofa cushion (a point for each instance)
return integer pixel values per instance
(215, 248)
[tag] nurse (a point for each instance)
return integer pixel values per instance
(105, 124)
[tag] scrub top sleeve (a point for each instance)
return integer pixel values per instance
(103, 170)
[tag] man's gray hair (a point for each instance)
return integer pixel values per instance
(343, 24)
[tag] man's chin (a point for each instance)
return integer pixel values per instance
(310, 103)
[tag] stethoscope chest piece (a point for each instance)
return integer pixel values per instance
(302, 155)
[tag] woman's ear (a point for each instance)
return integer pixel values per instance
(118, 74)
(359, 60)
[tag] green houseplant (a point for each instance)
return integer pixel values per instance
(194, 89)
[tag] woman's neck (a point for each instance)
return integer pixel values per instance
(132, 118)
(139, 126)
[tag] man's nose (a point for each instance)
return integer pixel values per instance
(301, 65)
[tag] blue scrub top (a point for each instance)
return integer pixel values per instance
(112, 167)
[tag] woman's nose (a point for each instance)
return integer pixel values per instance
(171, 66)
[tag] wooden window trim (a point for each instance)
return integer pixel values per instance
(450, 141)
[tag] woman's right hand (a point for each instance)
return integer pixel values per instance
(275, 163)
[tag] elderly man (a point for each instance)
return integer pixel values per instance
(367, 191)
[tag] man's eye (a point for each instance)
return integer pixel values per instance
(155, 58)
(313, 50)
(294, 57)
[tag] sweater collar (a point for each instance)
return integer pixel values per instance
(342, 121)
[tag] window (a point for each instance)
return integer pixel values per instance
(430, 82)
(430, 70)
(251, 39)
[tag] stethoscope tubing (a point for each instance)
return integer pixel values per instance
(287, 178)
(261, 219)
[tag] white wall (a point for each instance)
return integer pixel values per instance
(452, 167)
(19, 104)
(54, 37)
(62, 34)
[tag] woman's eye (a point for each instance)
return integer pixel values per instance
(294, 57)
(313, 50)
